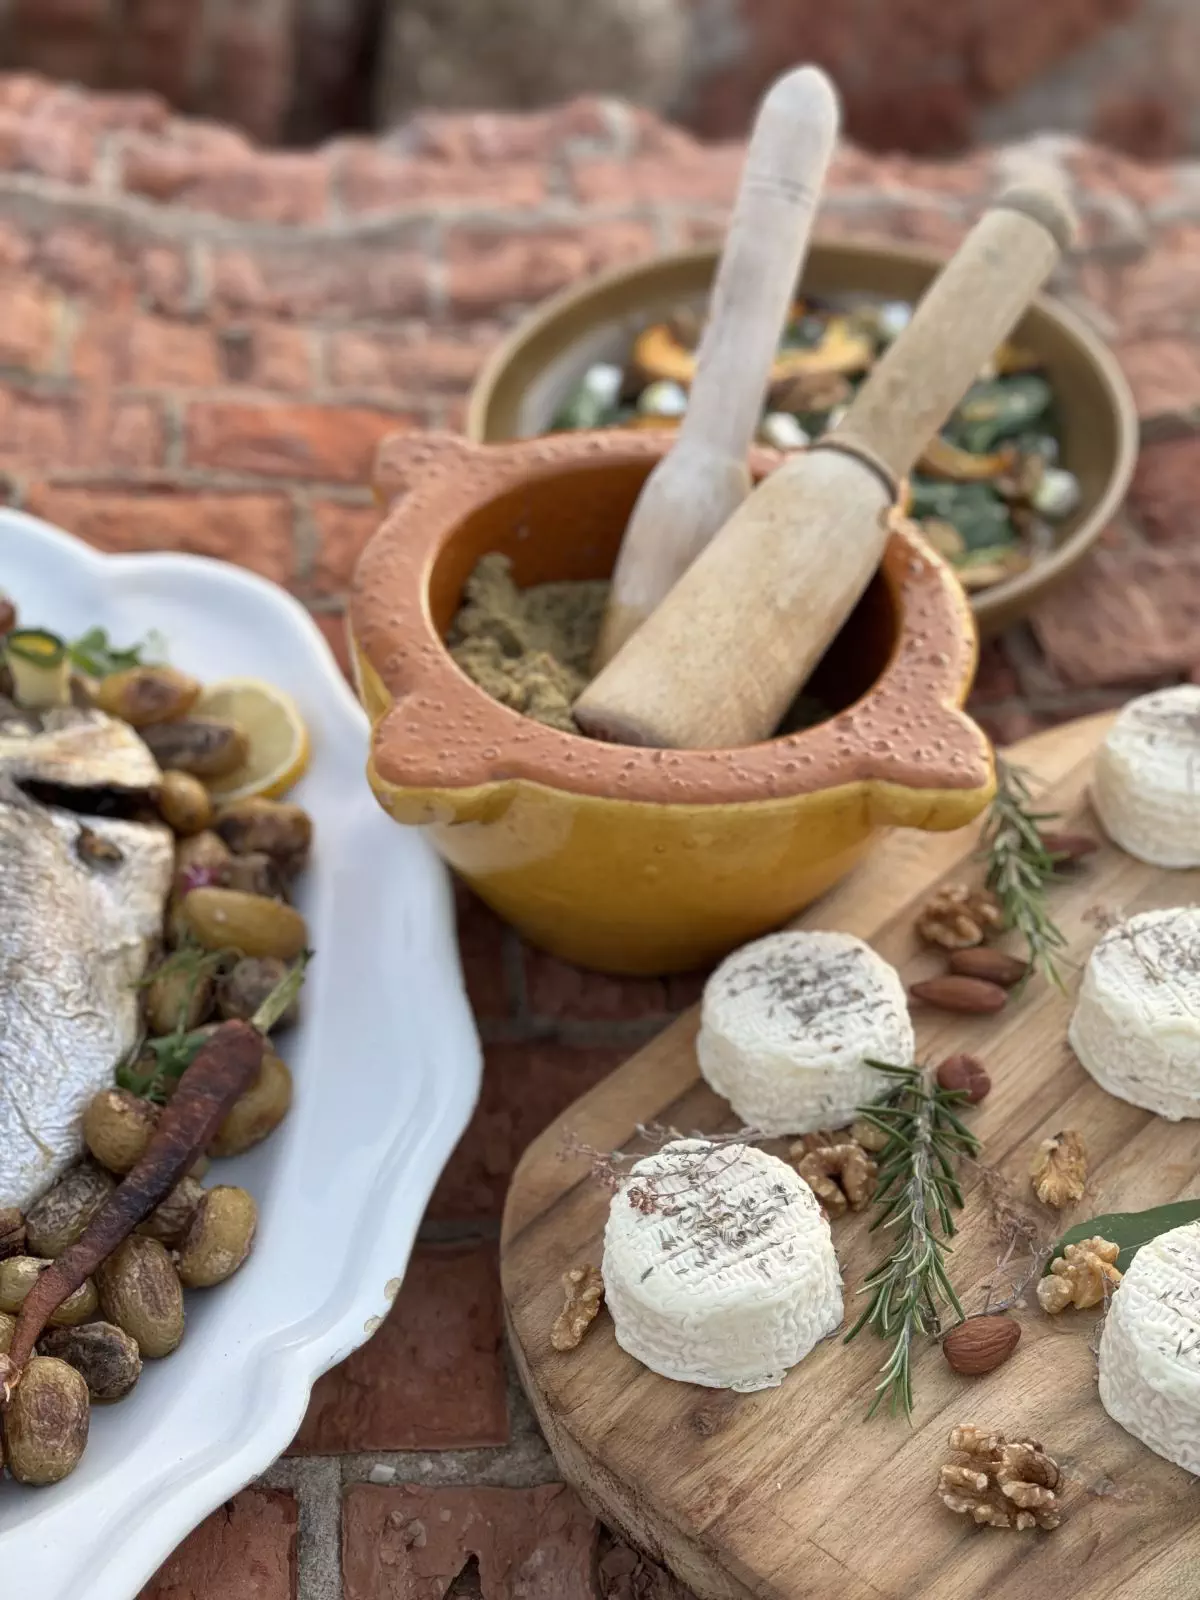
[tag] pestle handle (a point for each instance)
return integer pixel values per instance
(721, 659)
(697, 486)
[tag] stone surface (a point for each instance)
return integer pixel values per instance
(411, 1543)
(206, 365)
(432, 1377)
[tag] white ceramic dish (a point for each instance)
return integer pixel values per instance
(386, 1064)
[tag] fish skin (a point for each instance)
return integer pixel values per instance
(76, 934)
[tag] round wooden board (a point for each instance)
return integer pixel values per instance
(789, 1494)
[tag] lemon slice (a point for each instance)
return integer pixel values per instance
(271, 721)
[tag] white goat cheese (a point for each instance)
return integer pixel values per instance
(719, 1266)
(1146, 783)
(1136, 1025)
(1150, 1348)
(789, 1022)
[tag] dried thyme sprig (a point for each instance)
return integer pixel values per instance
(917, 1194)
(1019, 868)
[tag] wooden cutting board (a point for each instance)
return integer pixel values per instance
(789, 1494)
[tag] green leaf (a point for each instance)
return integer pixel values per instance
(1130, 1229)
(95, 654)
(1002, 408)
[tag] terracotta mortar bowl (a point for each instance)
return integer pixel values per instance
(632, 860)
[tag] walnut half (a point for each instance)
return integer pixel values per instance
(849, 1164)
(1002, 1483)
(958, 917)
(1082, 1276)
(584, 1289)
(1058, 1170)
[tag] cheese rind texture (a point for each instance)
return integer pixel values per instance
(719, 1266)
(1150, 1348)
(789, 1022)
(1146, 780)
(1136, 1025)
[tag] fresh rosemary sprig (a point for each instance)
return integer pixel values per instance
(1019, 868)
(917, 1193)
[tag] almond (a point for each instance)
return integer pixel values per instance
(981, 1344)
(965, 1075)
(953, 992)
(992, 965)
(1069, 848)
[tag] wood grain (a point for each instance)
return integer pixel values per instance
(790, 1494)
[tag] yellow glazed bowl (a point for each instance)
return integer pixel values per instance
(632, 860)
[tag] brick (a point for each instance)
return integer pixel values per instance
(244, 1551)
(1128, 617)
(163, 279)
(410, 1543)
(372, 181)
(705, 176)
(996, 678)
(1164, 375)
(253, 530)
(499, 138)
(36, 430)
(1165, 492)
(1160, 295)
(268, 355)
(345, 281)
(488, 268)
(1010, 725)
(344, 531)
(125, 434)
(83, 261)
(525, 1086)
(333, 625)
(624, 1573)
(50, 145)
(146, 351)
(483, 940)
(287, 441)
(260, 187)
(408, 363)
(29, 323)
(433, 1376)
(559, 992)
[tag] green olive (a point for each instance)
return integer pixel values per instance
(63, 1212)
(178, 996)
(184, 803)
(144, 696)
(276, 828)
(226, 918)
(140, 1292)
(169, 1220)
(19, 1274)
(46, 1422)
(258, 1112)
(105, 1356)
(8, 1326)
(218, 1238)
(199, 745)
(243, 989)
(117, 1126)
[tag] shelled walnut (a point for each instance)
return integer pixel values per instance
(584, 1290)
(842, 1176)
(1002, 1484)
(1082, 1276)
(958, 917)
(1058, 1170)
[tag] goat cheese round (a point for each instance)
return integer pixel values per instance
(789, 1023)
(1150, 1348)
(1146, 782)
(1136, 1025)
(719, 1266)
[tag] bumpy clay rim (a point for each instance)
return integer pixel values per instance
(443, 732)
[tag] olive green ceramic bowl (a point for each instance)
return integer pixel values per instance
(536, 368)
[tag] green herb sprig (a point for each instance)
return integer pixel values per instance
(917, 1194)
(95, 654)
(1020, 868)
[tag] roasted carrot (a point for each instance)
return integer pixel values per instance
(224, 1068)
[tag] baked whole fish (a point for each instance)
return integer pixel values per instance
(82, 897)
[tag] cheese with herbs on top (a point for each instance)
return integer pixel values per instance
(1136, 1025)
(719, 1266)
(790, 1023)
(1146, 783)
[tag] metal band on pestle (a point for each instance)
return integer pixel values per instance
(864, 453)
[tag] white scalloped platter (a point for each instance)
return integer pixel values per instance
(386, 1065)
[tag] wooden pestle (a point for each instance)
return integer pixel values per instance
(696, 487)
(722, 658)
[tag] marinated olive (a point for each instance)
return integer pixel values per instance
(169, 1220)
(200, 861)
(8, 1326)
(12, 1230)
(105, 1356)
(258, 1112)
(140, 1292)
(219, 1237)
(144, 696)
(198, 745)
(63, 1212)
(243, 989)
(117, 1126)
(275, 827)
(19, 1274)
(256, 873)
(220, 918)
(178, 996)
(46, 1422)
(184, 803)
